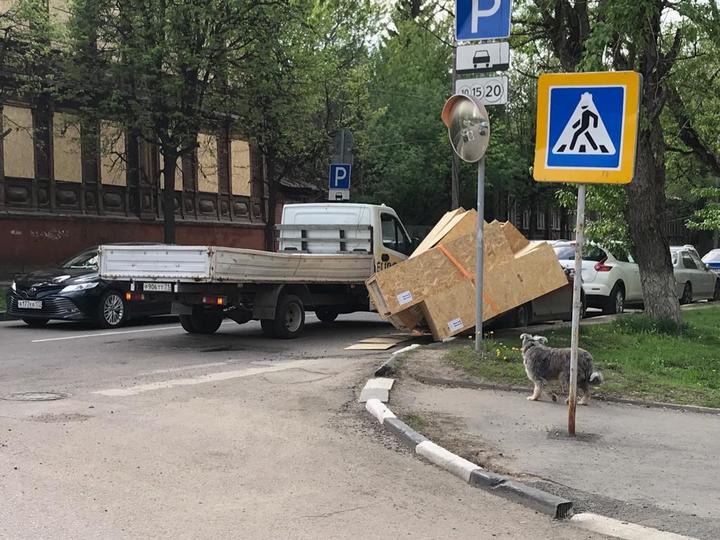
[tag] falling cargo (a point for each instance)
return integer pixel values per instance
(435, 287)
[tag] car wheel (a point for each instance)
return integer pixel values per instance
(616, 301)
(36, 323)
(289, 318)
(716, 292)
(201, 323)
(523, 315)
(687, 296)
(326, 315)
(111, 310)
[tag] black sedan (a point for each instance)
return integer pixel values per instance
(74, 292)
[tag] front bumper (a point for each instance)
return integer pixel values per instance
(53, 307)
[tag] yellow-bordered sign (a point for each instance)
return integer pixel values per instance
(587, 127)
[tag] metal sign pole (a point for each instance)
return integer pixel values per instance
(577, 307)
(479, 255)
(455, 178)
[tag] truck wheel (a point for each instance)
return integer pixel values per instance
(289, 318)
(201, 323)
(523, 315)
(326, 315)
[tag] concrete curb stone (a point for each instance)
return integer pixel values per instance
(473, 474)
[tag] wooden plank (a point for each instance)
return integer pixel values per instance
(371, 347)
(383, 339)
(437, 232)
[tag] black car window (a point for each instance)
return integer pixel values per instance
(591, 253)
(86, 259)
(688, 262)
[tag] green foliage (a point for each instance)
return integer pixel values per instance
(639, 358)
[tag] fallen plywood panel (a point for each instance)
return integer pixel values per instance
(437, 232)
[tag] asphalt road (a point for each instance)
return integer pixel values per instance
(160, 434)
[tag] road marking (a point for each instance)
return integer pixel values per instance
(212, 377)
(114, 333)
(622, 529)
(103, 334)
(184, 368)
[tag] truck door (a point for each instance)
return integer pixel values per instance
(396, 245)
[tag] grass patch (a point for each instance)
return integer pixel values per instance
(2, 301)
(639, 357)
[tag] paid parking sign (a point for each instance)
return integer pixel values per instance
(587, 125)
(482, 19)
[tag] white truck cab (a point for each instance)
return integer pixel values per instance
(375, 229)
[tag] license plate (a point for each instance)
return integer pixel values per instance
(157, 287)
(30, 304)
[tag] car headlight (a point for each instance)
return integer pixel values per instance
(13, 286)
(80, 287)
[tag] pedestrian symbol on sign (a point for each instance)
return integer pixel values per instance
(585, 132)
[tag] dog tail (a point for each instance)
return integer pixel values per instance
(596, 378)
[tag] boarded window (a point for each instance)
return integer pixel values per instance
(19, 150)
(113, 159)
(207, 163)
(240, 172)
(67, 157)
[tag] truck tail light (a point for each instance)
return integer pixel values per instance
(134, 297)
(602, 267)
(214, 300)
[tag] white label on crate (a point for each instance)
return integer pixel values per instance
(456, 324)
(404, 298)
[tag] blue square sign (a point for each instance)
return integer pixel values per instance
(482, 19)
(340, 175)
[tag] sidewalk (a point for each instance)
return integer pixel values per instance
(656, 467)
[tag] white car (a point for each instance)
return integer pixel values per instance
(712, 259)
(609, 280)
(694, 280)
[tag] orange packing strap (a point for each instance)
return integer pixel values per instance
(468, 276)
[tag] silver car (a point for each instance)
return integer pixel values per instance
(693, 279)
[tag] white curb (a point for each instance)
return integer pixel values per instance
(622, 529)
(378, 410)
(447, 460)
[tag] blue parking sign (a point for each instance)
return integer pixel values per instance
(482, 19)
(340, 175)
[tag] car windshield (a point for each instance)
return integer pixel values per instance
(591, 253)
(86, 259)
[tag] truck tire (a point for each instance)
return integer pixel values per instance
(289, 320)
(201, 323)
(326, 315)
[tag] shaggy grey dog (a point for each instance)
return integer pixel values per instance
(543, 364)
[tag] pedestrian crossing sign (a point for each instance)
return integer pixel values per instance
(587, 126)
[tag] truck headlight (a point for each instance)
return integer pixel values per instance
(79, 287)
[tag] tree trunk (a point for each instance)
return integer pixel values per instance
(645, 214)
(170, 164)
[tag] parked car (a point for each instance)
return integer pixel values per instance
(693, 278)
(73, 291)
(609, 280)
(712, 259)
(554, 306)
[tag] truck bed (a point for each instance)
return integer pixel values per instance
(205, 264)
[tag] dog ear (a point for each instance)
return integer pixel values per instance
(523, 337)
(541, 339)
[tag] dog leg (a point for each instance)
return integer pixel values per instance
(536, 392)
(585, 399)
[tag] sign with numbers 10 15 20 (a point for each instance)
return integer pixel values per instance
(489, 90)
